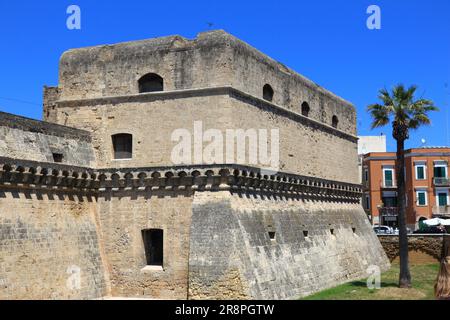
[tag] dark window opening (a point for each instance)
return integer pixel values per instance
(57, 157)
(153, 245)
(272, 235)
(150, 83)
(335, 122)
(267, 92)
(354, 230)
(123, 146)
(332, 231)
(305, 233)
(305, 109)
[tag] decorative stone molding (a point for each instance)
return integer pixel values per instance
(236, 178)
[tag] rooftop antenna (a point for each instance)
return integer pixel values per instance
(423, 141)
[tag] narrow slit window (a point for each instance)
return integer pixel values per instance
(335, 122)
(153, 245)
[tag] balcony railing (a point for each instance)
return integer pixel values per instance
(441, 210)
(439, 181)
(387, 184)
(388, 211)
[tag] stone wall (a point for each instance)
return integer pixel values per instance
(435, 246)
(47, 239)
(317, 245)
(123, 216)
(29, 139)
(307, 147)
(213, 59)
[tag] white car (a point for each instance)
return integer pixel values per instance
(383, 230)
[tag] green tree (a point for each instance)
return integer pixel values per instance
(405, 113)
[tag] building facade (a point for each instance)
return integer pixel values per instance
(93, 193)
(427, 185)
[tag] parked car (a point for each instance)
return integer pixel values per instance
(383, 230)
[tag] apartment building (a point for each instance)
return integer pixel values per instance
(427, 185)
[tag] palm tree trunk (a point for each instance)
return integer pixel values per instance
(405, 276)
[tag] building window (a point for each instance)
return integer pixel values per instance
(153, 245)
(123, 146)
(272, 235)
(420, 171)
(335, 121)
(442, 198)
(366, 175)
(421, 197)
(267, 92)
(367, 203)
(305, 109)
(388, 177)
(151, 82)
(440, 170)
(57, 157)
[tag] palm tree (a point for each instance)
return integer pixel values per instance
(406, 113)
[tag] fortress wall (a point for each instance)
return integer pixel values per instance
(243, 261)
(28, 139)
(45, 239)
(123, 216)
(113, 70)
(305, 148)
(213, 59)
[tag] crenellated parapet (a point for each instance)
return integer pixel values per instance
(235, 178)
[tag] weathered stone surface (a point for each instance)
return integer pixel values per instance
(434, 245)
(45, 239)
(215, 218)
(230, 234)
(29, 139)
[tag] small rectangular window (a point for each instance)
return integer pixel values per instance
(366, 175)
(420, 172)
(332, 231)
(305, 233)
(57, 157)
(421, 198)
(388, 178)
(153, 245)
(123, 146)
(272, 235)
(367, 202)
(442, 199)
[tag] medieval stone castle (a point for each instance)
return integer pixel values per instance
(91, 204)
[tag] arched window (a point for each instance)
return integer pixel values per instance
(151, 82)
(335, 121)
(305, 109)
(267, 92)
(123, 146)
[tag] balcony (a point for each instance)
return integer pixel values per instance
(388, 184)
(388, 211)
(388, 214)
(441, 182)
(441, 211)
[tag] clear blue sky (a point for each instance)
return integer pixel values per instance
(326, 41)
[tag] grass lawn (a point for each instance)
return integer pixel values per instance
(423, 279)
